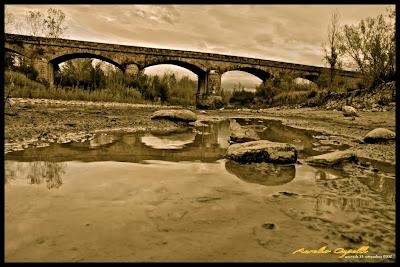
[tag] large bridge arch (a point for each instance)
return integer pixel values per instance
(229, 79)
(65, 57)
(198, 70)
(311, 77)
(259, 73)
(15, 50)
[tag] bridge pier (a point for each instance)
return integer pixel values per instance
(45, 70)
(131, 70)
(208, 94)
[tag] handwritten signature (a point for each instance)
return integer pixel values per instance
(325, 250)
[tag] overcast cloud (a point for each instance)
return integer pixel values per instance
(290, 33)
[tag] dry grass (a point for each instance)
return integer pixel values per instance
(18, 85)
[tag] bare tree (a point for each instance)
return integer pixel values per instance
(9, 20)
(51, 25)
(34, 21)
(54, 23)
(332, 48)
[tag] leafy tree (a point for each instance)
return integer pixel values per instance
(265, 92)
(371, 46)
(76, 72)
(241, 97)
(9, 60)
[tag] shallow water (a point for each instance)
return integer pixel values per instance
(172, 197)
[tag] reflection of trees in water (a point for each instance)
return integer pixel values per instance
(10, 172)
(35, 172)
(101, 140)
(342, 203)
(50, 172)
(383, 185)
(356, 193)
(262, 173)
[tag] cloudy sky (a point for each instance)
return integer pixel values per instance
(290, 33)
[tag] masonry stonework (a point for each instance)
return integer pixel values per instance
(47, 53)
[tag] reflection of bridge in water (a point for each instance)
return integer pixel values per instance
(208, 145)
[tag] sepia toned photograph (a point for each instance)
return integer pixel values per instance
(199, 133)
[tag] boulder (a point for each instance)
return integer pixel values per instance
(349, 111)
(175, 115)
(239, 134)
(378, 135)
(262, 151)
(332, 158)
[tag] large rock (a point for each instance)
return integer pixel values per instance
(262, 151)
(378, 135)
(175, 115)
(333, 158)
(349, 111)
(239, 134)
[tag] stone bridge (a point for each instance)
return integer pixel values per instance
(47, 53)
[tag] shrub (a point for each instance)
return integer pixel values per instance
(241, 97)
(20, 86)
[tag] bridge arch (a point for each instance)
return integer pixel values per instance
(311, 77)
(259, 73)
(240, 80)
(199, 71)
(60, 59)
(15, 50)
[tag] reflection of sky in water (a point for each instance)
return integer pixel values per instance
(101, 140)
(175, 141)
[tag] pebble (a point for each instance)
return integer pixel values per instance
(268, 226)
